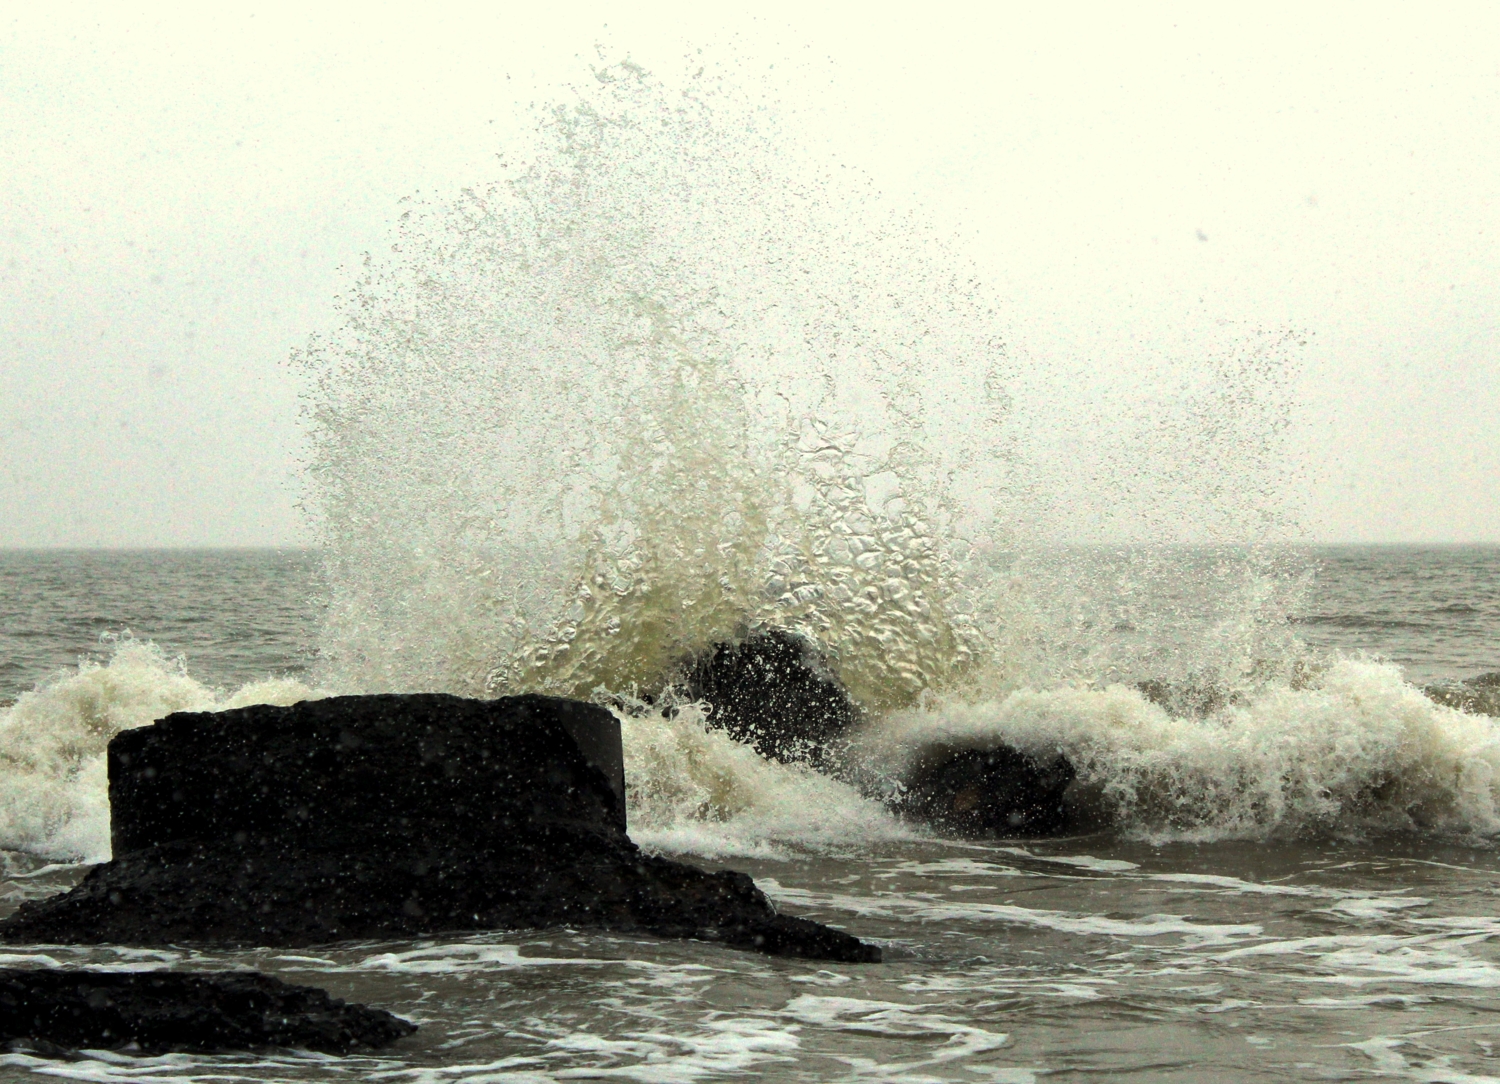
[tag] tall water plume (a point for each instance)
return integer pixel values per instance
(673, 377)
(668, 379)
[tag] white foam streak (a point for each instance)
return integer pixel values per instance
(924, 908)
(722, 1045)
(1078, 861)
(1385, 1054)
(1361, 960)
(868, 1017)
(1234, 884)
(429, 959)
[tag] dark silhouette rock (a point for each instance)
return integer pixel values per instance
(160, 1011)
(386, 817)
(357, 774)
(987, 792)
(775, 692)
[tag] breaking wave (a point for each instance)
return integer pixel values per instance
(54, 801)
(674, 378)
(1353, 750)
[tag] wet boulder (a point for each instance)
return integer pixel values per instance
(1478, 695)
(986, 791)
(1186, 700)
(775, 691)
(391, 816)
(47, 1011)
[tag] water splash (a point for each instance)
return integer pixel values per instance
(54, 801)
(666, 381)
(674, 377)
(1348, 750)
(695, 790)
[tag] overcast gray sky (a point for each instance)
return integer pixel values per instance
(182, 195)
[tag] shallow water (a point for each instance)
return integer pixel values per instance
(1063, 960)
(1268, 958)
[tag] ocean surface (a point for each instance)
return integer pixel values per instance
(1346, 948)
(673, 375)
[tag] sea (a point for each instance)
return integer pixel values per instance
(1344, 951)
(675, 375)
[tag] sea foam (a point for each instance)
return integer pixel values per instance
(54, 790)
(1355, 749)
(1360, 751)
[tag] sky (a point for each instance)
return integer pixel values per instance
(183, 194)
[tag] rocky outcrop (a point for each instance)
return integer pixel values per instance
(50, 1011)
(1478, 695)
(774, 691)
(389, 817)
(987, 792)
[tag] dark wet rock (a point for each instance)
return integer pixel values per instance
(52, 1011)
(186, 892)
(1478, 695)
(1187, 701)
(987, 792)
(387, 817)
(774, 691)
(356, 775)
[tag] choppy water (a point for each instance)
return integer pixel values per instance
(1068, 959)
(1435, 613)
(672, 377)
(239, 615)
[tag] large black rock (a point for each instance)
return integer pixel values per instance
(775, 692)
(988, 791)
(360, 774)
(391, 816)
(160, 1011)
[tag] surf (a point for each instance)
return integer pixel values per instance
(674, 378)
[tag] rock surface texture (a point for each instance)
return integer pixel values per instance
(391, 816)
(775, 692)
(988, 792)
(1478, 695)
(160, 1011)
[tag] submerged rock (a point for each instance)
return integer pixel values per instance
(391, 816)
(774, 691)
(53, 1010)
(1478, 695)
(988, 792)
(1186, 701)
